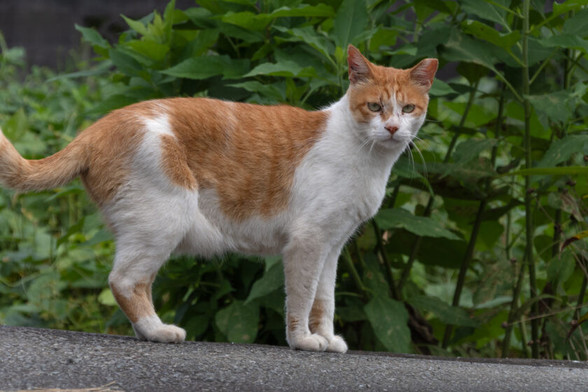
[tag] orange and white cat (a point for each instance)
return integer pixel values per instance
(204, 176)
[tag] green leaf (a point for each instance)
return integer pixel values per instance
(271, 280)
(471, 149)
(285, 68)
(93, 37)
(565, 40)
(550, 171)
(562, 150)
(106, 298)
(247, 20)
(567, 6)
(399, 218)
(275, 92)
(448, 314)
(490, 34)
(319, 10)
(389, 320)
(136, 25)
(238, 322)
(373, 277)
(310, 36)
(148, 49)
(440, 88)
(351, 21)
(207, 66)
(494, 11)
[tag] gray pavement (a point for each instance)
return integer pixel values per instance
(49, 359)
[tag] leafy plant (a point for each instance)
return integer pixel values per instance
(479, 248)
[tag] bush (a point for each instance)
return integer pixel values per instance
(477, 250)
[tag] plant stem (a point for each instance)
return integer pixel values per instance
(513, 311)
(528, 194)
(353, 271)
(465, 264)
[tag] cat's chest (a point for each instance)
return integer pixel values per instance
(330, 185)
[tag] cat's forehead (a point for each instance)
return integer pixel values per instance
(394, 84)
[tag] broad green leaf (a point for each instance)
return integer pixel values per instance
(576, 25)
(311, 37)
(93, 37)
(561, 267)
(238, 322)
(471, 149)
(106, 298)
(206, 66)
(389, 319)
(248, 20)
(440, 88)
(149, 49)
(494, 11)
(351, 21)
(286, 68)
(136, 25)
(562, 150)
(446, 313)
(461, 47)
(550, 171)
(565, 40)
(271, 280)
(274, 91)
(398, 218)
(490, 34)
(568, 5)
(373, 277)
(319, 10)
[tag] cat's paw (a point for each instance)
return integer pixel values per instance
(312, 342)
(337, 345)
(168, 334)
(152, 329)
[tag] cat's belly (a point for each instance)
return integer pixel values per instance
(213, 233)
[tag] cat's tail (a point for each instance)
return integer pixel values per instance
(34, 175)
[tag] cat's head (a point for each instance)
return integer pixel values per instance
(388, 104)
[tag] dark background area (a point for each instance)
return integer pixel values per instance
(45, 28)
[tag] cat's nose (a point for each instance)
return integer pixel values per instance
(391, 128)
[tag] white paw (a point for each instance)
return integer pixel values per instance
(167, 334)
(312, 342)
(337, 345)
(152, 329)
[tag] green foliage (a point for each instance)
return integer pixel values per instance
(468, 255)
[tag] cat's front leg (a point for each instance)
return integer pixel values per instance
(323, 308)
(304, 258)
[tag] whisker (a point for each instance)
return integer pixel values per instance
(425, 171)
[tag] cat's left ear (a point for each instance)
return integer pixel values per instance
(359, 66)
(423, 73)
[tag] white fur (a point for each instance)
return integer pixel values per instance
(339, 184)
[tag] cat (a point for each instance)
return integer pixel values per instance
(204, 176)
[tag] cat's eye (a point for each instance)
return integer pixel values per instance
(408, 108)
(374, 107)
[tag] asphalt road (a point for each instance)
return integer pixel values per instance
(49, 359)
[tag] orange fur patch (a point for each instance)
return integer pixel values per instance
(139, 304)
(316, 314)
(247, 153)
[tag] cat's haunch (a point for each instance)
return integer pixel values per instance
(204, 177)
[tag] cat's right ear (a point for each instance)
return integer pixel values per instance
(359, 68)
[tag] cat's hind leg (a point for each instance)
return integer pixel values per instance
(131, 278)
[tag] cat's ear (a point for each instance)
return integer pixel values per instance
(423, 73)
(359, 66)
